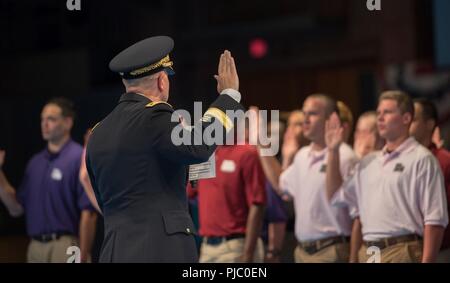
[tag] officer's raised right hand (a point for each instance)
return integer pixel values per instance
(227, 75)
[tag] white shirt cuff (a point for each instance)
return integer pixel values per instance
(236, 95)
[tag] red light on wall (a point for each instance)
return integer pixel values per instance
(258, 48)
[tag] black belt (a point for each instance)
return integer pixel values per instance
(218, 240)
(387, 242)
(312, 247)
(45, 238)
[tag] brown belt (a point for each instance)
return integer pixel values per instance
(312, 247)
(387, 242)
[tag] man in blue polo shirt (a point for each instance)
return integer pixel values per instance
(57, 210)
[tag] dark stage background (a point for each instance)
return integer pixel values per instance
(284, 50)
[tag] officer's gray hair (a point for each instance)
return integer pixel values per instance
(147, 82)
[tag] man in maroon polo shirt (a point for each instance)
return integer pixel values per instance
(231, 207)
(422, 128)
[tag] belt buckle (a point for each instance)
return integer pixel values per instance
(309, 247)
(44, 238)
(49, 237)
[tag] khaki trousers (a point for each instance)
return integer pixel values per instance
(408, 252)
(332, 254)
(229, 251)
(50, 252)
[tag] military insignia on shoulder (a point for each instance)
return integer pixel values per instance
(154, 103)
(219, 115)
(206, 119)
(93, 128)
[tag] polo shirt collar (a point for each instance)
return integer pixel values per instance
(406, 146)
(50, 155)
(316, 156)
(134, 97)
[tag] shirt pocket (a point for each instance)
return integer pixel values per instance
(178, 221)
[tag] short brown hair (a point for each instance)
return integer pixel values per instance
(66, 105)
(404, 102)
(429, 111)
(330, 103)
(345, 114)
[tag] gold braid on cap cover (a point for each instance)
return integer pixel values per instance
(164, 62)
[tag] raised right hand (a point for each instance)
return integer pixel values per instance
(334, 132)
(437, 139)
(290, 144)
(364, 144)
(227, 74)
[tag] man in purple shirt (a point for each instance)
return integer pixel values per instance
(57, 210)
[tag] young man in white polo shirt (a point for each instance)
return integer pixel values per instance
(322, 230)
(398, 193)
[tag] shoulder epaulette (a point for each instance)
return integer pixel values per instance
(93, 128)
(154, 103)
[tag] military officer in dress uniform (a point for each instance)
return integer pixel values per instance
(137, 172)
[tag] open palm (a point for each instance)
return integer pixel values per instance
(227, 74)
(290, 144)
(334, 133)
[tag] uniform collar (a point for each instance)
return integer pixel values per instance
(131, 96)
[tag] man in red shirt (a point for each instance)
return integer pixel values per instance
(422, 128)
(231, 207)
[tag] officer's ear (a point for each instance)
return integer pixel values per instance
(162, 81)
